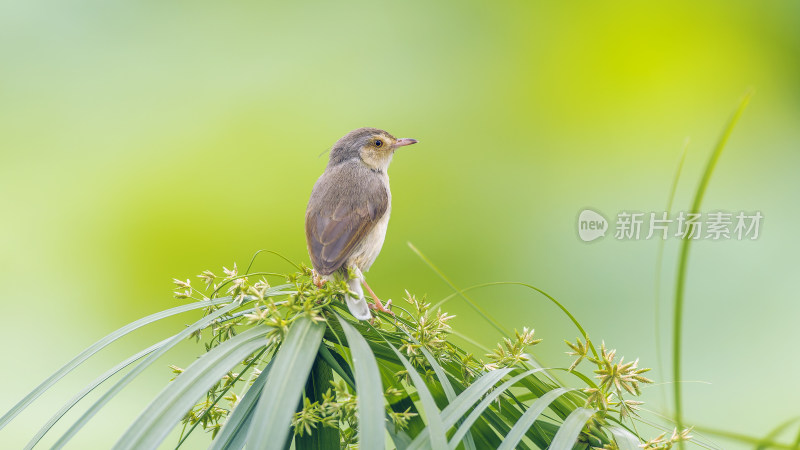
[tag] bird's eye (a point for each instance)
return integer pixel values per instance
(378, 143)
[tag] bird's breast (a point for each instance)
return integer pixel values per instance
(370, 247)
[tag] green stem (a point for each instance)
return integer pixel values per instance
(684, 258)
(252, 260)
(471, 303)
(230, 280)
(552, 299)
(742, 438)
(659, 265)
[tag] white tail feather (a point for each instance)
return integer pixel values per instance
(358, 306)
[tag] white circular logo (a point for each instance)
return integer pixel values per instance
(591, 225)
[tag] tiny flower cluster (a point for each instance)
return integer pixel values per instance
(616, 378)
(662, 442)
(428, 330)
(208, 413)
(338, 406)
(510, 353)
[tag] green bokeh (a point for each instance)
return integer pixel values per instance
(145, 140)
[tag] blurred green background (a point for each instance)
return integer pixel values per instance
(148, 140)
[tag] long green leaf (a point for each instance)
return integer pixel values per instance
(108, 339)
(487, 400)
(680, 282)
(444, 381)
(624, 438)
(285, 383)
(233, 433)
(496, 424)
(472, 394)
(327, 355)
(80, 395)
(94, 348)
(440, 373)
(568, 433)
(461, 404)
(98, 381)
(108, 395)
(531, 414)
(371, 412)
(438, 440)
(469, 443)
(170, 405)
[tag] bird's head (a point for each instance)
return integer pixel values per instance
(373, 147)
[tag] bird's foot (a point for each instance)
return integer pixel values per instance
(317, 279)
(378, 306)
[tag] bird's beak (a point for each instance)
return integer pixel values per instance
(404, 141)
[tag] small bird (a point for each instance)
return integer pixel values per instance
(348, 212)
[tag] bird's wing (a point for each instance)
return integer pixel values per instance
(335, 224)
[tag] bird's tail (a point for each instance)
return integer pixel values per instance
(357, 305)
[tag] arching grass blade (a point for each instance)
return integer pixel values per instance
(461, 404)
(96, 347)
(80, 395)
(683, 259)
(437, 438)
(136, 371)
(487, 400)
(531, 414)
(171, 404)
(441, 375)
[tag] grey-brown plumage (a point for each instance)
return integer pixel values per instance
(349, 210)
